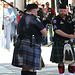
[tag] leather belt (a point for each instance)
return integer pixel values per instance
(25, 42)
(66, 41)
(28, 42)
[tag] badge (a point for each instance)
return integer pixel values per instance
(61, 22)
(54, 21)
(69, 18)
(74, 26)
(49, 10)
(70, 22)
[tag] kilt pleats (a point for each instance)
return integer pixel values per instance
(27, 56)
(57, 52)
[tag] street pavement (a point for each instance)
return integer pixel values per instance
(7, 69)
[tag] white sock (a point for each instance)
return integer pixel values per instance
(71, 73)
(62, 74)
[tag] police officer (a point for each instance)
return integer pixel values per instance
(27, 51)
(63, 31)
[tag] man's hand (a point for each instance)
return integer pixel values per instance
(61, 33)
(44, 32)
(71, 36)
(74, 35)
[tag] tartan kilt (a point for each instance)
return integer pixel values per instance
(27, 56)
(57, 52)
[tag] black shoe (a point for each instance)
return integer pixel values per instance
(31, 73)
(27, 73)
(24, 72)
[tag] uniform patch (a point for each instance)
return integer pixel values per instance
(61, 22)
(54, 21)
(69, 18)
(55, 27)
(38, 19)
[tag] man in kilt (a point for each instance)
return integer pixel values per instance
(63, 30)
(27, 51)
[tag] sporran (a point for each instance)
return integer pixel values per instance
(68, 57)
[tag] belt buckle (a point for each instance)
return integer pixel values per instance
(66, 41)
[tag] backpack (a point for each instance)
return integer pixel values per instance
(68, 57)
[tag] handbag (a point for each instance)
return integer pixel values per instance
(68, 57)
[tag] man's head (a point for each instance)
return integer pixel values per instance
(32, 8)
(47, 4)
(42, 6)
(5, 5)
(62, 10)
(11, 3)
(67, 8)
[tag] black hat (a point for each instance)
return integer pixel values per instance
(62, 6)
(31, 6)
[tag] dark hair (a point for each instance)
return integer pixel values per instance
(11, 2)
(47, 2)
(31, 6)
(43, 5)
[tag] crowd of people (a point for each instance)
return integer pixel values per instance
(32, 29)
(13, 16)
(9, 31)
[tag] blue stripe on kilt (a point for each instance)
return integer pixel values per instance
(27, 56)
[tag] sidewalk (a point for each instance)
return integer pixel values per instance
(7, 69)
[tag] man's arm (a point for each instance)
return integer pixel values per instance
(61, 33)
(44, 32)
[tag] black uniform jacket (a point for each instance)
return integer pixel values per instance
(30, 25)
(64, 25)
